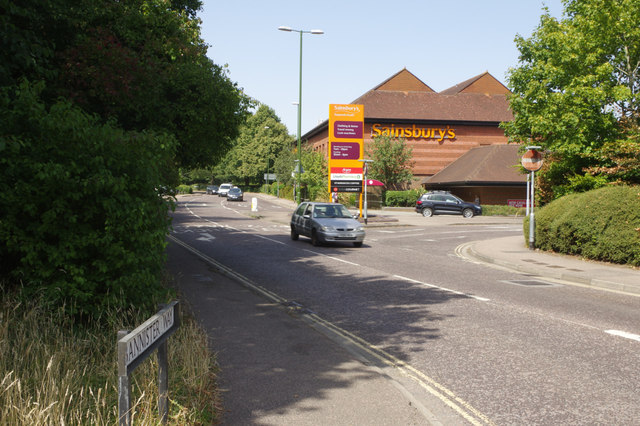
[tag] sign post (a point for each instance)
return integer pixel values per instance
(346, 142)
(532, 161)
(134, 347)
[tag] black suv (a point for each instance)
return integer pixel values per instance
(443, 202)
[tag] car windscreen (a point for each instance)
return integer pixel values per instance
(331, 211)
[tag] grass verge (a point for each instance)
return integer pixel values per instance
(56, 371)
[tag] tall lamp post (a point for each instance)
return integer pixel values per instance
(288, 29)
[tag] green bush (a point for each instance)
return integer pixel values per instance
(81, 216)
(603, 224)
(402, 198)
(184, 189)
(502, 210)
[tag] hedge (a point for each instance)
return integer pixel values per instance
(603, 224)
(81, 221)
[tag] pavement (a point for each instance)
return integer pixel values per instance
(279, 366)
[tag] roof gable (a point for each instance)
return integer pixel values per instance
(484, 83)
(403, 81)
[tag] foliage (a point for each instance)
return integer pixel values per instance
(618, 160)
(141, 63)
(81, 213)
(575, 90)
(502, 210)
(392, 161)
(261, 142)
(603, 224)
(195, 176)
(184, 189)
(402, 198)
(54, 370)
(314, 165)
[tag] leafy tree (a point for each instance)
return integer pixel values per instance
(315, 174)
(140, 62)
(392, 161)
(575, 90)
(261, 141)
(81, 219)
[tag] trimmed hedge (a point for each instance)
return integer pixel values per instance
(402, 198)
(603, 224)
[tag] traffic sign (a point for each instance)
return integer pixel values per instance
(532, 160)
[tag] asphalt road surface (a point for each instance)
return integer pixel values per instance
(504, 347)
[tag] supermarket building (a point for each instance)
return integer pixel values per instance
(454, 134)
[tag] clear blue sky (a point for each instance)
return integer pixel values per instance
(365, 42)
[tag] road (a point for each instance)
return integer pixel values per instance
(497, 346)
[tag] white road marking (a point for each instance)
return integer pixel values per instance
(270, 239)
(482, 299)
(623, 334)
(206, 237)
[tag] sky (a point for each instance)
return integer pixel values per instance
(365, 42)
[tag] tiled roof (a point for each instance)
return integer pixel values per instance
(435, 106)
(493, 164)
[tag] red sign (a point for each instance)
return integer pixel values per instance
(532, 160)
(517, 203)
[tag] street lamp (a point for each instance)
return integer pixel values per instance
(288, 29)
(268, 158)
(365, 161)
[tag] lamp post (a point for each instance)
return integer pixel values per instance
(268, 158)
(365, 186)
(288, 29)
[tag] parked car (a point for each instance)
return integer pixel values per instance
(326, 222)
(224, 188)
(212, 189)
(441, 202)
(235, 194)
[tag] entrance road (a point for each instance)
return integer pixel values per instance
(513, 349)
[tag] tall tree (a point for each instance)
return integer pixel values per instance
(576, 87)
(262, 138)
(392, 161)
(139, 62)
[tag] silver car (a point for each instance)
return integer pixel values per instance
(326, 222)
(223, 189)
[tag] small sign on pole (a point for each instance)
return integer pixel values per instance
(532, 161)
(134, 347)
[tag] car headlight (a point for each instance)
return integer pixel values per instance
(360, 228)
(327, 228)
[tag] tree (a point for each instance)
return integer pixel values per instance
(392, 161)
(140, 62)
(262, 139)
(575, 90)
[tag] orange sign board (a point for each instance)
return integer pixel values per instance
(346, 147)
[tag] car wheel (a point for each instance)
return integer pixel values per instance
(357, 244)
(427, 212)
(314, 238)
(294, 235)
(467, 213)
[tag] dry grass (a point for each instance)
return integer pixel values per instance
(54, 371)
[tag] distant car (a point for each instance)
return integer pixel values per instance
(326, 222)
(212, 189)
(223, 189)
(441, 202)
(235, 194)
